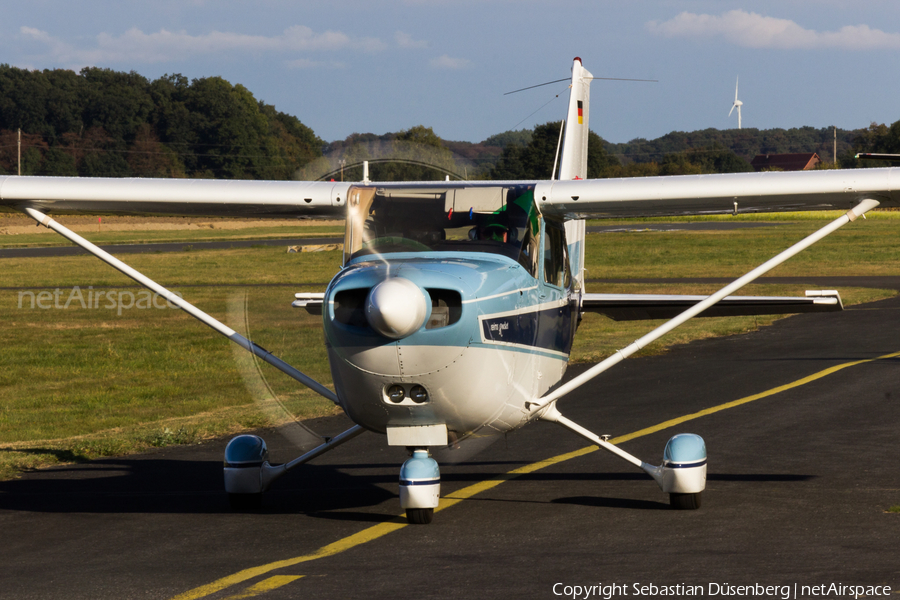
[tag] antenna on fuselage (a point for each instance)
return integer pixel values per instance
(562, 127)
(588, 78)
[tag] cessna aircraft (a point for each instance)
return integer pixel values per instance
(454, 311)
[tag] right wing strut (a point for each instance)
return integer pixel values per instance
(620, 355)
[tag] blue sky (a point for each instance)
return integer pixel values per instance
(375, 66)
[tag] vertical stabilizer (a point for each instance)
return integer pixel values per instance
(573, 163)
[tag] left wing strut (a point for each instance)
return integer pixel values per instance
(620, 355)
(184, 305)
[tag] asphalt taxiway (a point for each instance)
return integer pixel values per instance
(801, 475)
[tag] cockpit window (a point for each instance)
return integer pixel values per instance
(484, 219)
(556, 259)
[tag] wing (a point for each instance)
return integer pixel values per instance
(736, 193)
(189, 197)
(636, 307)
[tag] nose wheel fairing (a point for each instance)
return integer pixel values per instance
(420, 487)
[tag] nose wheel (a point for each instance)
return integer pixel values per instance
(419, 516)
(420, 487)
(684, 501)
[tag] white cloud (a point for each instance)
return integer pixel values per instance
(138, 47)
(446, 62)
(752, 30)
(405, 40)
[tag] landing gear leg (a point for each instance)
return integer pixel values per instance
(682, 474)
(248, 473)
(420, 487)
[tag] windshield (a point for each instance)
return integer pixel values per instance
(495, 220)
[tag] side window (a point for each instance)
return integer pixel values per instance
(528, 257)
(556, 259)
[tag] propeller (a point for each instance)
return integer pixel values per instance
(255, 381)
(737, 103)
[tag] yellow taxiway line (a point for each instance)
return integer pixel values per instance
(399, 522)
(266, 585)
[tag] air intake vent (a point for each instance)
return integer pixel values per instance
(446, 308)
(349, 307)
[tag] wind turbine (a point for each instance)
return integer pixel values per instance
(737, 103)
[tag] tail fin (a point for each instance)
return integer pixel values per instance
(573, 163)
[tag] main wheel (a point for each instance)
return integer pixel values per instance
(245, 501)
(419, 516)
(685, 501)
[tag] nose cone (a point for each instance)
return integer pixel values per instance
(396, 308)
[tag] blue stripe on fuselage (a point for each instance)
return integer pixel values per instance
(547, 329)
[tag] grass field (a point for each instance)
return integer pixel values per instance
(186, 236)
(79, 383)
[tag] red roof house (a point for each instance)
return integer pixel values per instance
(800, 161)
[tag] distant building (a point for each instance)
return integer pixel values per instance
(800, 161)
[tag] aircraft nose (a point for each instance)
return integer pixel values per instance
(396, 308)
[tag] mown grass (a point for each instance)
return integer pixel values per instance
(101, 237)
(87, 384)
(869, 247)
(824, 215)
(264, 265)
(80, 383)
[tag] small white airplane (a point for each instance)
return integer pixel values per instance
(454, 312)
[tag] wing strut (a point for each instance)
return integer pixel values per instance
(851, 215)
(184, 305)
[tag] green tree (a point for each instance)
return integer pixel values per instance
(502, 140)
(115, 124)
(117, 102)
(510, 166)
(23, 100)
(31, 161)
(64, 102)
(599, 161)
(105, 164)
(679, 164)
(58, 163)
(536, 159)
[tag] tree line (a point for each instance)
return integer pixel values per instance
(104, 123)
(687, 153)
(534, 159)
